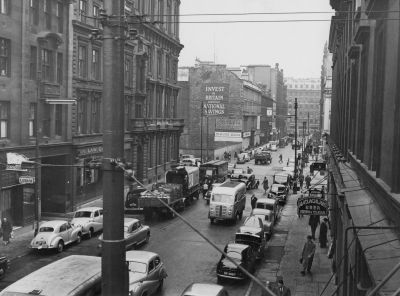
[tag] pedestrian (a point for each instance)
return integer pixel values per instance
(323, 192)
(307, 255)
(236, 156)
(249, 170)
(323, 233)
(301, 180)
(280, 158)
(313, 222)
(308, 181)
(281, 289)
(257, 184)
(287, 163)
(265, 184)
(253, 201)
(6, 229)
(205, 188)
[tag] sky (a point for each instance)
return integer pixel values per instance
(296, 46)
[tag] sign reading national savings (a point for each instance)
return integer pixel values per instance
(215, 96)
(312, 206)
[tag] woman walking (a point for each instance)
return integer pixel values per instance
(265, 184)
(6, 229)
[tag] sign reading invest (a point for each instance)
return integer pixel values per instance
(215, 97)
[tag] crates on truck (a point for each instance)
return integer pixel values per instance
(186, 176)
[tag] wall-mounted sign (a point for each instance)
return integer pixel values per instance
(228, 137)
(228, 124)
(215, 96)
(269, 111)
(312, 205)
(26, 180)
(90, 150)
(246, 134)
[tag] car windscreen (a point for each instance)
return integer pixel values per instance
(252, 222)
(82, 214)
(46, 229)
(234, 255)
(135, 266)
(265, 206)
(222, 198)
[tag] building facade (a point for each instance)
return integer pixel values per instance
(364, 162)
(236, 127)
(308, 94)
(51, 91)
(35, 98)
(326, 91)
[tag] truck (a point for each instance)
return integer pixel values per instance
(215, 170)
(262, 157)
(181, 187)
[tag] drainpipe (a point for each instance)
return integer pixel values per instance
(346, 256)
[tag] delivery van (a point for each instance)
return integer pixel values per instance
(227, 201)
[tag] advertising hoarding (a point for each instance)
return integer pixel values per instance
(215, 97)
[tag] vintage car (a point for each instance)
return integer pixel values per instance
(242, 255)
(278, 192)
(146, 273)
(281, 178)
(238, 173)
(243, 158)
(231, 167)
(135, 233)
(204, 289)
(4, 265)
(90, 219)
(267, 218)
(252, 235)
(274, 147)
(56, 234)
(271, 205)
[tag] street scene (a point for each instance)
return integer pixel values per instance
(199, 148)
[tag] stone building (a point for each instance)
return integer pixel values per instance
(364, 162)
(326, 91)
(35, 98)
(308, 94)
(235, 128)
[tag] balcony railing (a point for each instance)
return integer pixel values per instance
(141, 124)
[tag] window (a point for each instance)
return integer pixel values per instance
(128, 71)
(33, 63)
(95, 64)
(60, 16)
(47, 13)
(32, 120)
(151, 266)
(150, 61)
(47, 64)
(46, 120)
(128, 106)
(96, 22)
(141, 74)
(82, 120)
(60, 68)
(5, 55)
(4, 6)
(34, 11)
(58, 120)
(83, 10)
(167, 66)
(95, 120)
(159, 63)
(160, 10)
(82, 61)
(4, 119)
(138, 111)
(169, 17)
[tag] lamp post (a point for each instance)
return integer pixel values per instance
(201, 131)
(295, 147)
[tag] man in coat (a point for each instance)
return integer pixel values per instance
(323, 233)
(307, 255)
(265, 184)
(281, 289)
(313, 222)
(6, 228)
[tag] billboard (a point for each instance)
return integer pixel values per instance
(228, 124)
(215, 96)
(228, 137)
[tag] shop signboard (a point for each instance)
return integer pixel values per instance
(215, 97)
(228, 136)
(312, 205)
(26, 180)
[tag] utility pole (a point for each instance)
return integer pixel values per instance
(38, 171)
(201, 131)
(295, 146)
(308, 123)
(113, 264)
(207, 138)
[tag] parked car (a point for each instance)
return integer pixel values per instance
(90, 219)
(4, 265)
(243, 255)
(135, 233)
(231, 167)
(269, 204)
(205, 289)
(243, 157)
(146, 273)
(55, 235)
(274, 147)
(267, 219)
(252, 234)
(278, 192)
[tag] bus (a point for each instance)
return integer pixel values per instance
(75, 275)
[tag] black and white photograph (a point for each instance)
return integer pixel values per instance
(200, 147)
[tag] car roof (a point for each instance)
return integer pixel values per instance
(260, 212)
(278, 185)
(53, 223)
(266, 200)
(140, 256)
(128, 221)
(236, 247)
(249, 230)
(201, 289)
(89, 209)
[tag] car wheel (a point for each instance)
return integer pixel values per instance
(60, 246)
(90, 233)
(79, 238)
(147, 238)
(160, 286)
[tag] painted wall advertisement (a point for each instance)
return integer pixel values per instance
(228, 136)
(215, 97)
(228, 124)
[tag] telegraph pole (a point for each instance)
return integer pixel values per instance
(295, 146)
(113, 263)
(201, 131)
(308, 123)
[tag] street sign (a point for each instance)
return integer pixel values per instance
(26, 180)
(311, 205)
